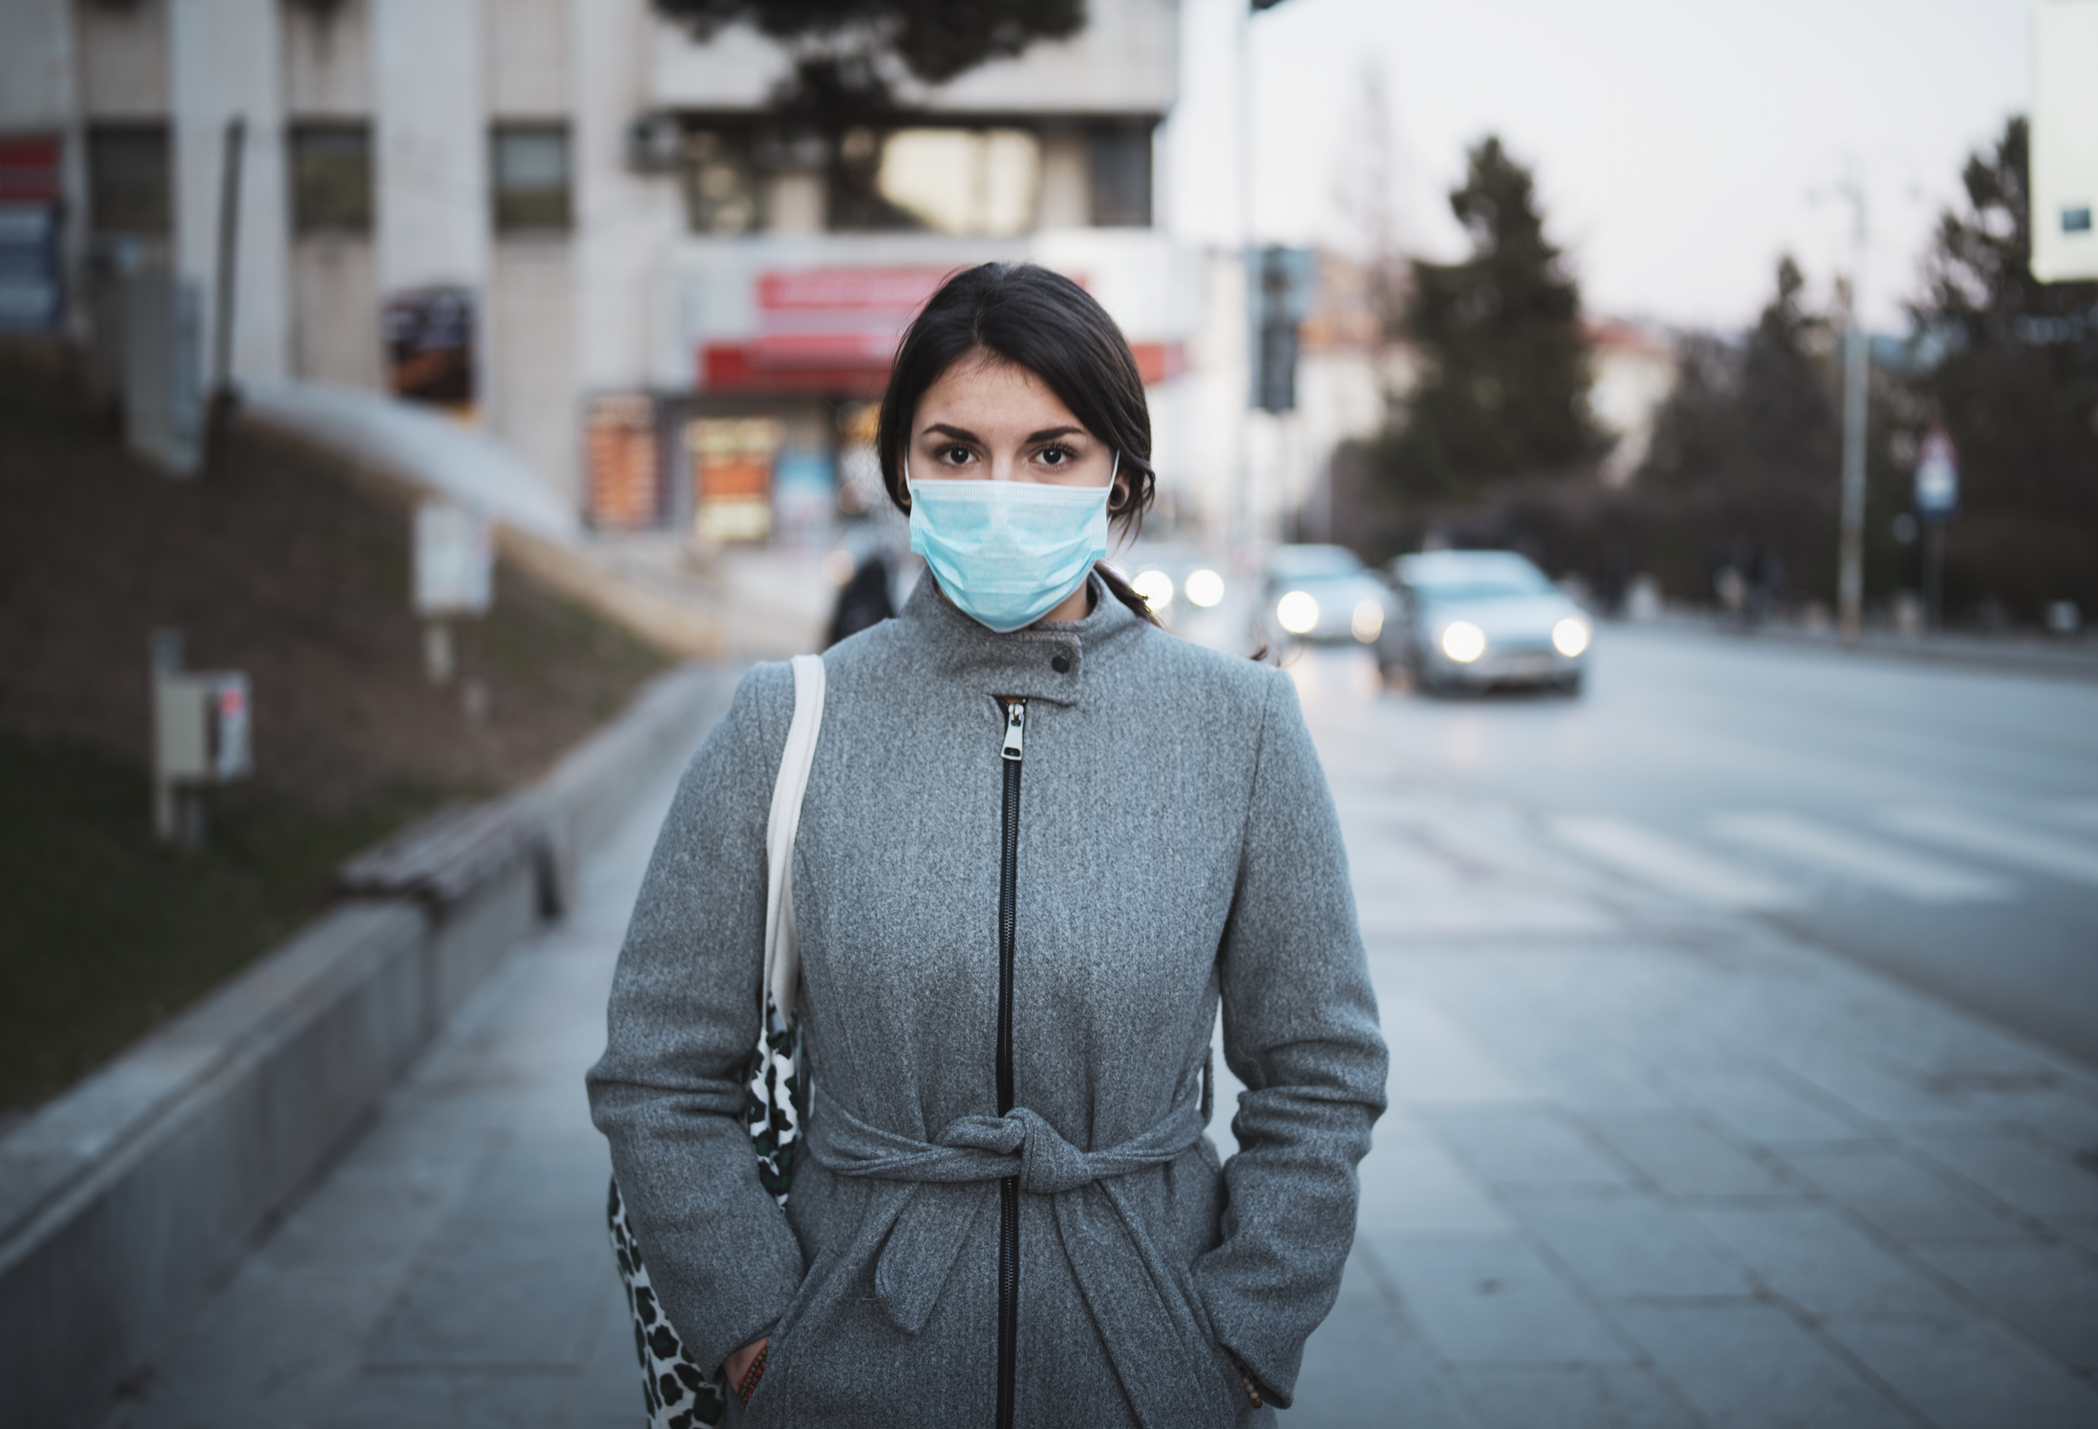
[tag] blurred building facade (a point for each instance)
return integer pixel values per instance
(578, 225)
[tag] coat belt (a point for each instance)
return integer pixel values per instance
(1166, 1359)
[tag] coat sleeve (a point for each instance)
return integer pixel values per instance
(683, 1019)
(1301, 1032)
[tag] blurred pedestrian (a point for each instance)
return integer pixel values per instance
(863, 601)
(1007, 1211)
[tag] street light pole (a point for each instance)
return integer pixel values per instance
(1242, 497)
(1850, 582)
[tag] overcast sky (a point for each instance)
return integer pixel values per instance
(1678, 144)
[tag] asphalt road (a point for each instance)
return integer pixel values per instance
(1940, 825)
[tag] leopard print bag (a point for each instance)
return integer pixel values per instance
(679, 1393)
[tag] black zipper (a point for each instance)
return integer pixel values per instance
(1009, 1188)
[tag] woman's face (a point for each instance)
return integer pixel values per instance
(986, 419)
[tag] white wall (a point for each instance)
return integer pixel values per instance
(1125, 61)
(226, 59)
(430, 142)
(327, 60)
(124, 60)
(626, 298)
(37, 65)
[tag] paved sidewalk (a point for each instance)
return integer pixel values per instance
(1646, 1165)
(1649, 1165)
(453, 1269)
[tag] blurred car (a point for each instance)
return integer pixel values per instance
(1474, 619)
(1176, 580)
(1322, 595)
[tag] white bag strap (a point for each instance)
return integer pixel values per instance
(782, 947)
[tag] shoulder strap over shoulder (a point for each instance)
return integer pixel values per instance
(782, 947)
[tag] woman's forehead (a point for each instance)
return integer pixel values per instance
(986, 393)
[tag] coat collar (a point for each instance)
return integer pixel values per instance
(1042, 662)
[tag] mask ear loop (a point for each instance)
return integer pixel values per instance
(1114, 475)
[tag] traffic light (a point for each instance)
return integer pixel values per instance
(1281, 284)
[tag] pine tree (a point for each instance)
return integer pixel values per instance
(1742, 467)
(2018, 390)
(935, 39)
(1505, 388)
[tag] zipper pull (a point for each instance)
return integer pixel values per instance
(1015, 726)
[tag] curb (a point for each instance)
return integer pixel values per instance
(126, 1201)
(2053, 659)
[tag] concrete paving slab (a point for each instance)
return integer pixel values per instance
(1495, 1302)
(1756, 1105)
(2078, 1230)
(519, 1242)
(1368, 1366)
(1683, 1157)
(1901, 1194)
(1881, 1093)
(1593, 1084)
(1434, 1060)
(1969, 1374)
(1575, 1397)
(1627, 1244)
(506, 1398)
(1750, 1366)
(2065, 1115)
(1527, 1148)
(2048, 1291)
(2039, 1180)
(1816, 1259)
(1413, 1186)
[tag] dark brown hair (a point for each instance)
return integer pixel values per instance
(1044, 322)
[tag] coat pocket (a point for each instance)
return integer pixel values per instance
(770, 1401)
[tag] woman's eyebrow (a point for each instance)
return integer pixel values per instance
(960, 434)
(1048, 434)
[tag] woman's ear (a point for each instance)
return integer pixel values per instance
(1118, 496)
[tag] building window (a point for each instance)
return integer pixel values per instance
(721, 187)
(1119, 161)
(531, 177)
(331, 178)
(971, 182)
(128, 179)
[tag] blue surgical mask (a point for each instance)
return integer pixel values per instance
(1008, 552)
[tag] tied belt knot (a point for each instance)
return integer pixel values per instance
(916, 1226)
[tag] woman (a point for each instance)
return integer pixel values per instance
(1006, 1212)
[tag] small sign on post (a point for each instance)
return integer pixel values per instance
(454, 576)
(201, 729)
(1937, 497)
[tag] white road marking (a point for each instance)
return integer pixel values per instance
(1677, 867)
(1884, 866)
(2005, 843)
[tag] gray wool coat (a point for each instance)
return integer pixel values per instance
(1177, 847)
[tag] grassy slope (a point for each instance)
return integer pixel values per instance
(278, 565)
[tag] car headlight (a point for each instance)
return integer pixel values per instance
(1297, 612)
(1204, 588)
(1463, 641)
(1156, 587)
(1570, 636)
(1368, 621)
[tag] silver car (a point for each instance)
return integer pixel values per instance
(1322, 594)
(1475, 619)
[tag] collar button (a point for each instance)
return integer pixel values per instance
(1061, 664)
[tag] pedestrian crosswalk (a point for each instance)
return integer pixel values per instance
(1770, 859)
(2057, 854)
(1873, 862)
(1672, 864)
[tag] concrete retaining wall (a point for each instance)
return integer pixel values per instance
(126, 1200)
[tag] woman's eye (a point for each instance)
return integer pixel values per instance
(1057, 456)
(956, 456)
